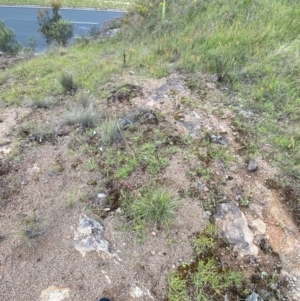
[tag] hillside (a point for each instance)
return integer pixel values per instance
(159, 163)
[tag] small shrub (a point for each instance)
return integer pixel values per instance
(32, 226)
(8, 42)
(62, 31)
(67, 82)
(93, 32)
(91, 165)
(54, 28)
(73, 198)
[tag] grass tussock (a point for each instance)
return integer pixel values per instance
(84, 112)
(43, 103)
(68, 83)
(111, 131)
(155, 205)
(31, 226)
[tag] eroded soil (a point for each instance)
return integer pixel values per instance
(45, 176)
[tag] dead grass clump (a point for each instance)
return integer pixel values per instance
(84, 113)
(44, 103)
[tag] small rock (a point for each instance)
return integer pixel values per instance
(233, 226)
(89, 237)
(101, 195)
(131, 72)
(254, 297)
(153, 233)
(219, 139)
(55, 293)
(139, 292)
(206, 214)
(252, 166)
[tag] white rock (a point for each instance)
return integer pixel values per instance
(89, 237)
(55, 293)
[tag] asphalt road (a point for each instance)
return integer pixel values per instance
(23, 20)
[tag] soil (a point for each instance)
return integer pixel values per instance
(42, 176)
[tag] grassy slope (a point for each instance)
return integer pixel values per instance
(253, 45)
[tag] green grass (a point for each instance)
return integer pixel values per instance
(204, 279)
(104, 4)
(154, 205)
(91, 165)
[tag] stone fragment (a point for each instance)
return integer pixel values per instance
(219, 139)
(89, 237)
(254, 297)
(234, 227)
(141, 293)
(252, 166)
(55, 293)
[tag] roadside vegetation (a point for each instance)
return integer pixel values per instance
(8, 41)
(53, 26)
(111, 4)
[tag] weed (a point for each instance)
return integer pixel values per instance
(207, 281)
(67, 82)
(200, 171)
(177, 290)
(8, 41)
(245, 200)
(203, 279)
(206, 240)
(31, 226)
(150, 159)
(124, 171)
(91, 165)
(154, 205)
(73, 198)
